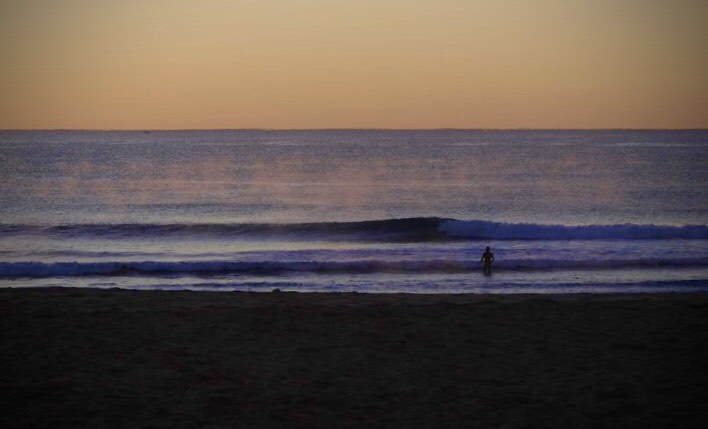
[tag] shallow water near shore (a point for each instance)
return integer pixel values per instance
(357, 210)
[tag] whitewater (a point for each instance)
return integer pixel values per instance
(356, 210)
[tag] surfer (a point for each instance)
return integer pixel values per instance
(487, 258)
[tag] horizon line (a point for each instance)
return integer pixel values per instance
(343, 129)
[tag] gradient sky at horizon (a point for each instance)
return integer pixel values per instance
(179, 64)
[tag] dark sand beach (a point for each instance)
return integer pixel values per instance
(114, 358)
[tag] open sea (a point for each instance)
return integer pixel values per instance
(356, 210)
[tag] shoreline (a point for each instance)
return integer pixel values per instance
(105, 357)
(344, 293)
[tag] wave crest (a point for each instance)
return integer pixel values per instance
(266, 268)
(421, 229)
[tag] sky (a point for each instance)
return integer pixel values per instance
(302, 64)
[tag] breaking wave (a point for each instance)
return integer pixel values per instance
(528, 231)
(265, 268)
(410, 229)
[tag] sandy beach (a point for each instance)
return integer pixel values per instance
(115, 358)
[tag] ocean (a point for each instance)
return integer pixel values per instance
(564, 211)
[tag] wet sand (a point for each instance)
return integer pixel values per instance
(111, 358)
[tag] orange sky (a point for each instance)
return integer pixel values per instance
(157, 64)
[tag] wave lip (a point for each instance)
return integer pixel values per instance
(266, 268)
(416, 229)
(405, 229)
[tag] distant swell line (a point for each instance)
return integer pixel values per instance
(151, 268)
(409, 229)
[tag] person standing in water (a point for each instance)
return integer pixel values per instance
(487, 258)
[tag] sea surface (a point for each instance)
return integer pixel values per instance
(356, 210)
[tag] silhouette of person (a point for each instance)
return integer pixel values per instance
(487, 258)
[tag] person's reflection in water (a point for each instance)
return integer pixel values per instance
(487, 258)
